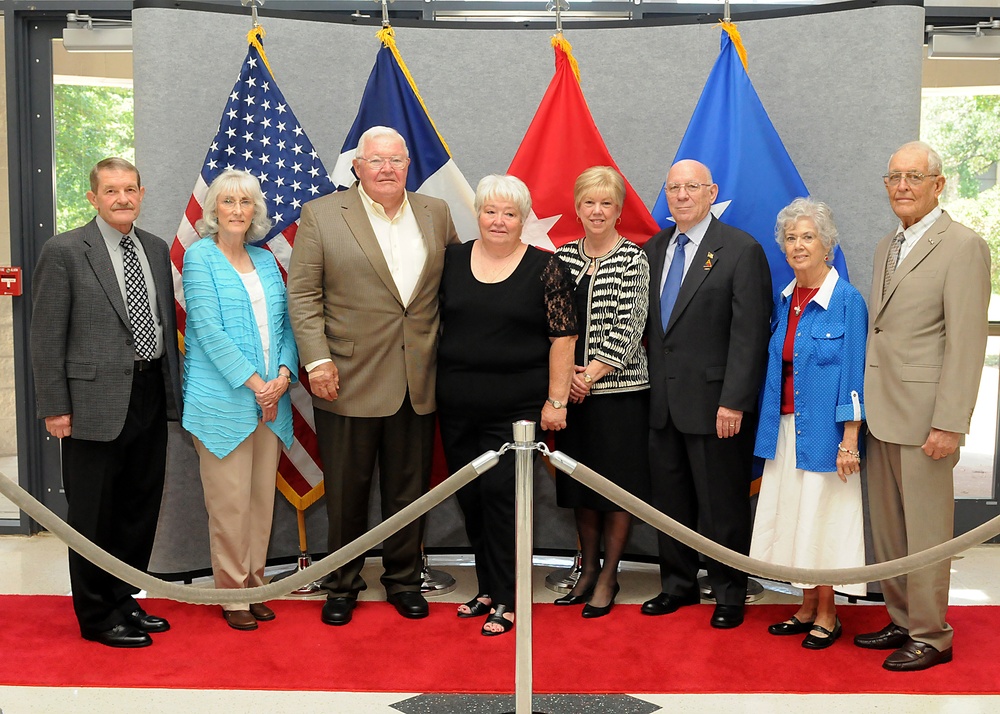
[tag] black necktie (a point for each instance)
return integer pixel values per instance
(138, 302)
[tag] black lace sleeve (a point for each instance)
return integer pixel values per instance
(559, 305)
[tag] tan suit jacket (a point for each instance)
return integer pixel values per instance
(344, 305)
(928, 335)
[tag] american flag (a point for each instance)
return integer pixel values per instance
(260, 134)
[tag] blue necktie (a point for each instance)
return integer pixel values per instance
(672, 285)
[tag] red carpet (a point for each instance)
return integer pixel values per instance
(379, 651)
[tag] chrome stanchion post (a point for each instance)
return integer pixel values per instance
(524, 447)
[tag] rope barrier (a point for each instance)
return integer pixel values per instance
(823, 576)
(640, 509)
(214, 596)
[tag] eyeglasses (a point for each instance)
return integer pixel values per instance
(245, 203)
(395, 162)
(692, 187)
(804, 239)
(914, 178)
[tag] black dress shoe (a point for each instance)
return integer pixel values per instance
(409, 603)
(664, 604)
(915, 656)
(121, 636)
(727, 616)
(571, 599)
(338, 610)
(592, 611)
(812, 642)
(140, 620)
(795, 627)
(890, 637)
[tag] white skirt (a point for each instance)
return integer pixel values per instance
(807, 519)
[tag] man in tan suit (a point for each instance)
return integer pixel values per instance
(930, 292)
(363, 299)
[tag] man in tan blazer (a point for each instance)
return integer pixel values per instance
(363, 299)
(930, 292)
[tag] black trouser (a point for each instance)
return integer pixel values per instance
(703, 482)
(113, 489)
(402, 445)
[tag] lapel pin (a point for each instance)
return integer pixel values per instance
(708, 262)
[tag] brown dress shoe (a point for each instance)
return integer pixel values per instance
(240, 619)
(914, 656)
(890, 637)
(261, 612)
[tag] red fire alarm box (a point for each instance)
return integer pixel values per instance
(10, 281)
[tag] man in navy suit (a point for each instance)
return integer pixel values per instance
(104, 353)
(708, 329)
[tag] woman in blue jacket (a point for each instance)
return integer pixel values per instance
(240, 359)
(809, 514)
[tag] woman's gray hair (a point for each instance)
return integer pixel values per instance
(378, 132)
(234, 183)
(503, 187)
(818, 212)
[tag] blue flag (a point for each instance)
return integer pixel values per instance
(391, 99)
(731, 134)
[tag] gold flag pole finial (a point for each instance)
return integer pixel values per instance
(253, 10)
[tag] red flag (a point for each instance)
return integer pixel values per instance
(560, 143)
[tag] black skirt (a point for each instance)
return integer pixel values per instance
(608, 433)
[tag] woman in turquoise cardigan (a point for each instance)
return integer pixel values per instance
(240, 359)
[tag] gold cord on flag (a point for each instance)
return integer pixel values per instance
(562, 43)
(388, 38)
(734, 35)
(254, 37)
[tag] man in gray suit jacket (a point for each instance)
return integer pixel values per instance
(928, 305)
(363, 300)
(104, 353)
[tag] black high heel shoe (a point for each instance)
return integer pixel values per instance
(570, 599)
(477, 608)
(590, 611)
(497, 618)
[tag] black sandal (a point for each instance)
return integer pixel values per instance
(496, 618)
(477, 608)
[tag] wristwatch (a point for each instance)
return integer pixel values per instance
(587, 378)
(556, 403)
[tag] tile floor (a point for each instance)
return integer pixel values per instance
(37, 565)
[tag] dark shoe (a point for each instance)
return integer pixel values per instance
(914, 656)
(409, 603)
(121, 636)
(477, 608)
(726, 617)
(261, 612)
(591, 611)
(812, 642)
(338, 610)
(496, 618)
(144, 622)
(664, 604)
(240, 619)
(794, 627)
(890, 637)
(571, 599)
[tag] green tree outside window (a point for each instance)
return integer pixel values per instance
(92, 122)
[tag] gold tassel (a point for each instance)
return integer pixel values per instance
(563, 44)
(734, 35)
(254, 37)
(388, 38)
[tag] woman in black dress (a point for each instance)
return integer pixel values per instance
(609, 399)
(506, 353)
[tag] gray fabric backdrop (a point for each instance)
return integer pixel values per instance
(842, 88)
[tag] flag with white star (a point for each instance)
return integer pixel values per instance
(259, 133)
